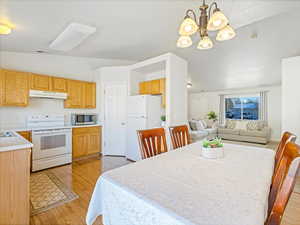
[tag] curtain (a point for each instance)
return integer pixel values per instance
(221, 110)
(263, 106)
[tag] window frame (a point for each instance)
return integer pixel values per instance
(240, 96)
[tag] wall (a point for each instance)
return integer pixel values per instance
(63, 66)
(201, 103)
(291, 96)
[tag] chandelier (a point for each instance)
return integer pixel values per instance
(216, 21)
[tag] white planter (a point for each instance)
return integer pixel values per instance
(213, 153)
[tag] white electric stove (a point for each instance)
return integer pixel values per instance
(52, 141)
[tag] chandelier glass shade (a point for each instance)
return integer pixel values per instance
(205, 43)
(4, 29)
(225, 34)
(188, 27)
(215, 21)
(184, 42)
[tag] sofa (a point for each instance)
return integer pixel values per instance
(245, 130)
(236, 130)
(202, 128)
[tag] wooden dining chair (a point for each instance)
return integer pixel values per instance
(286, 137)
(180, 136)
(152, 142)
(283, 183)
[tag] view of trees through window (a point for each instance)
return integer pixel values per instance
(242, 108)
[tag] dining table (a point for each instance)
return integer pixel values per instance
(181, 187)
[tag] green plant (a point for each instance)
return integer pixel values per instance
(212, 116)
(215, 143)
(163, 118)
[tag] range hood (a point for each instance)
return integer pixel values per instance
(47, 94)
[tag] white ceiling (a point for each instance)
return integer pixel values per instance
(135, 30)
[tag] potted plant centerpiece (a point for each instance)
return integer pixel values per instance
(213, 149)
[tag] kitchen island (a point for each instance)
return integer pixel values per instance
(15, 154)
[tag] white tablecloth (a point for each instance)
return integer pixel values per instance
(182, 188)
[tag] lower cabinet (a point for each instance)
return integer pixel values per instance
(86, 141)
(14, 187)
(25, 134)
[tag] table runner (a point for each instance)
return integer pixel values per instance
(182, 188)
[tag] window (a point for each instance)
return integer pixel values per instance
(242, 108)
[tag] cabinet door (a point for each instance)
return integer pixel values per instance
(80, 143)
(143, 88)
(15, 91)
(59, 84)
(155, 87)
(94, 143)
(40, 82)
(76, 94)
(25, 134)
(90, 95)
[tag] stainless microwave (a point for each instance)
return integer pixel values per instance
(84, 119)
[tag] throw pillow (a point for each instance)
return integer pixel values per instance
(241, 125)
(199, 125)
(230, 124)
(193, 125)
(204, 123)
(253, 125)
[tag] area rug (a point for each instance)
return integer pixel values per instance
(47, 191)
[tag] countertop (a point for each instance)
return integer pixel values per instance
(24, 128)
(14, 143)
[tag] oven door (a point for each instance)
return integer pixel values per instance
(52, 142)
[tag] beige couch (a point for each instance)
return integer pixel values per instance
(202, 128)
(249, 131)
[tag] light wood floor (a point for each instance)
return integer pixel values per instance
(81, 176)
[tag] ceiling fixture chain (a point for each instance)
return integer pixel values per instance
(208, 21)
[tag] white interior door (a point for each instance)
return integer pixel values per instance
(115, 119)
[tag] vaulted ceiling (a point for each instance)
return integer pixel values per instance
(139, 29)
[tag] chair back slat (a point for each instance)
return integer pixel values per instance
(283, 183)
(152, 142)
(286, 137)
(180, 136)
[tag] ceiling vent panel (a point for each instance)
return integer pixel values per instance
(72, 36)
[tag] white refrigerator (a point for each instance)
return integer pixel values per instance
(144, 112)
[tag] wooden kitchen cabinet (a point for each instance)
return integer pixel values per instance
(81, 94)
(79, 145)
(25, 134)
(86, 141)
(59, 84)
(14, 88)
(90, 95)
(40, 82)
(76, 94)
(14, 187)
(144, 88)
(154, 87)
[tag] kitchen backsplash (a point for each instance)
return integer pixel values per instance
(16, 116)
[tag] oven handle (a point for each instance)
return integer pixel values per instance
(51, 132)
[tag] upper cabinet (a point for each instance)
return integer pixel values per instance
(90, 95)
(40, 82)
(59, 84)
(14, 88)
(81, 94)
(76, 94)
(154, 87)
